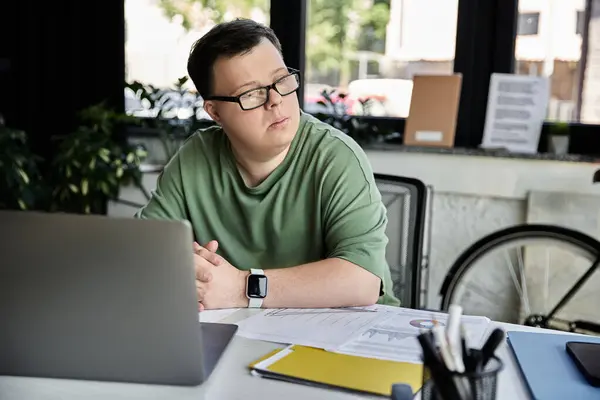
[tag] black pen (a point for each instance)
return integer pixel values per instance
(489, 348)
(440, 375)
(463, 343)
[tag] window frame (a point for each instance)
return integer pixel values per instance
(521, 24)
(580, 22)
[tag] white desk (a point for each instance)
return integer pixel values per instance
(230, 380)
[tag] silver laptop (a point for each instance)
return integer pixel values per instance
(98, 298)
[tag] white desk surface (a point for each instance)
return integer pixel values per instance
(229, 381)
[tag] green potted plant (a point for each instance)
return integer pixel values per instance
(92, 163)
(21, 184)
(558, 138)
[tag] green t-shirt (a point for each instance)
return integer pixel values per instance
(320, 202)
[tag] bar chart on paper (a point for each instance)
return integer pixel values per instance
(395, 338)
(322, 328)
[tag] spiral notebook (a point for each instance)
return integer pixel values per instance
(318, 367)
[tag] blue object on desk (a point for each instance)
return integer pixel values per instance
(401, 391)
(548, 370)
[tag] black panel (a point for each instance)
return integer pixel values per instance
(62, 57)
(288, 20)
(484, 44)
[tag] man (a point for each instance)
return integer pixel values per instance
(286, 207)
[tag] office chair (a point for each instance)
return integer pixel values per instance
(407, 201)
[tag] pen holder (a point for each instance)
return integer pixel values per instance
(481, 385)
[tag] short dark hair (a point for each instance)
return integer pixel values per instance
(227, 39)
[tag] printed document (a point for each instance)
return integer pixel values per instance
(323, 327)
(395, 337)
(516, 110)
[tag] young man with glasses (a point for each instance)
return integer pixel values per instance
(286, 207)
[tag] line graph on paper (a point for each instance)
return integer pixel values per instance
(395, 338)
(391, 335)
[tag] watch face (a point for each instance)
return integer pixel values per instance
(257, 286)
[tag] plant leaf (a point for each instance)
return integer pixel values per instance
(24, 176)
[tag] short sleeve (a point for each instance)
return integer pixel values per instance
(354, 216)
(167, 200)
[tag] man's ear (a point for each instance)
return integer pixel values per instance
(211, 110)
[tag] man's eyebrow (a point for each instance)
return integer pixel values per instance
(251, 83)
(255, 83)
(278, 70)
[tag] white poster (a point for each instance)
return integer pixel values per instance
(517, 107)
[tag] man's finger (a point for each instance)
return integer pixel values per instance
(200, 307)
(209, 256)
(200, 293)
(212, 246)
(200, 290)
(203, 267)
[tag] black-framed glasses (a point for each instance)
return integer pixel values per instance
(258, 97)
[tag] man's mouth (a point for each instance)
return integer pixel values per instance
(279, 122)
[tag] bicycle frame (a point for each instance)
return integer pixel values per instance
(579, 326)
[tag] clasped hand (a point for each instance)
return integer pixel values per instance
(218, 283)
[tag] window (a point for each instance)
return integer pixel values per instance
(528, 24)
(369, 50)
(159, 36)
(556, 52)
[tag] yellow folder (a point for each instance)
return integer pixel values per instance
(319, 367)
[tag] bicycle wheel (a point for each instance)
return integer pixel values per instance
(480, 278)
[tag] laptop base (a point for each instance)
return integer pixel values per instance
(215, 338)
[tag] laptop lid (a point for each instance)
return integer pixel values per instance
(98, 298)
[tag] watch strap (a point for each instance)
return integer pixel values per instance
(255, 303)
(256, 271)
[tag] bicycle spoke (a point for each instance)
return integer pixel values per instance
(523, 280)
(513, 276)
(484, 294)
(546, 287)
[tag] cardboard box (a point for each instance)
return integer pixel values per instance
(433, 110)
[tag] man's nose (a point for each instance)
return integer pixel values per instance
(274, 98)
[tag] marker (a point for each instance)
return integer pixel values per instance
(491, 344)
(453, 336)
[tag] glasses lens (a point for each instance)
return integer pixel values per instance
(253, 99)
(288, 84)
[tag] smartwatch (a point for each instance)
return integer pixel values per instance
(256, 288)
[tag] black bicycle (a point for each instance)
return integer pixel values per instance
(513, 276)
